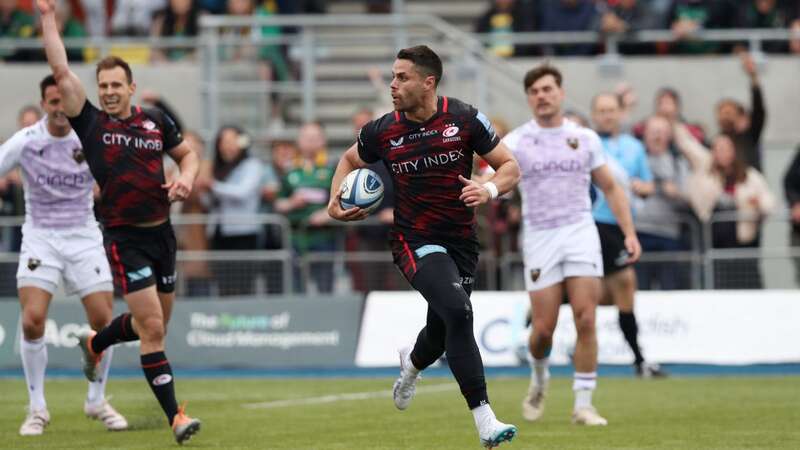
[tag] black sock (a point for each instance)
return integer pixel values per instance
(627, 322)
(119, 330)
(159, 376)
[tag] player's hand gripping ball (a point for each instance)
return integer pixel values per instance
(362, 188)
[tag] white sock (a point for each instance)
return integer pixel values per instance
(484, 416)
(409, 367)
(34, 363)
(541, 371)
(584, 385)
(97, 389)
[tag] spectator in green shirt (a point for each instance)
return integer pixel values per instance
(15, 24)
(304, 199)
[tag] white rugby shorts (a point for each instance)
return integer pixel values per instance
(552, 255)
(75, 254)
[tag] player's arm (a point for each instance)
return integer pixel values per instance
(73, 95)
(349, 162)
(505, 178)
(11, 150)
(615, 195)
(189, 163)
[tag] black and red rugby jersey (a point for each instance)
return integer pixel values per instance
(425, 160)
(126, 158)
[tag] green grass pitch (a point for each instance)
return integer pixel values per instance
(679, 413)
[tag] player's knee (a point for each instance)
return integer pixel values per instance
(584, 321)
(151, 329)
(98, 322)
(33, 325)
(542, 330)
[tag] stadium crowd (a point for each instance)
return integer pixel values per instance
(693, 173)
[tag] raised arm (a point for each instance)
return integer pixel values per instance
(73, 95)
(698, 156)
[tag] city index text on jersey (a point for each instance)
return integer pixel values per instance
(132, 141)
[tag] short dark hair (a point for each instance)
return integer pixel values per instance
(109, 62)
(541, 71)
(426, 61)
(46, 82)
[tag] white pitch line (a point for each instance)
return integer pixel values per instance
(353, 396)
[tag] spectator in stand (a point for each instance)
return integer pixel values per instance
(667, 104)
(213, 6)
(686, 17)
(28, 115)
(567, 15)
(304, 200)
(791, 188)
(503, 18)
(765, 14)
(234, 191)
(302, 6)
(134, 17)
(193, 237)
(95, 15)
(621, 17)
(720, 181)
(657, 219)
(283, 160)
(179, 19)
(375, 237)
(14, 24)
(745, 128)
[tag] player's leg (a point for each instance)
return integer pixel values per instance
(164, 264)
(99, 310)
(545, 304)
(439, 281)
(87, 275)
(33, 350)
(583, 293)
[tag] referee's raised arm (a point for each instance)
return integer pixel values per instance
(73, 96)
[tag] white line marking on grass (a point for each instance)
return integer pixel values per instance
(353, 396)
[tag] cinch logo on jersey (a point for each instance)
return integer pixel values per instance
(68, 180)
(131, 141)
(567, 165)
(427, 162)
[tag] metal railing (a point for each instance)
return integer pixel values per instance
(347, 268)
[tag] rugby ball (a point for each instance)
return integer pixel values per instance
(362, 188)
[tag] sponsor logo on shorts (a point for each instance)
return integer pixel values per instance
(535, 273)
(169, 279)
(33, 263)
(140, 274)
(162, 379)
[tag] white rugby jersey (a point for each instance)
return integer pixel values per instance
(556, 165)
(56, 179)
